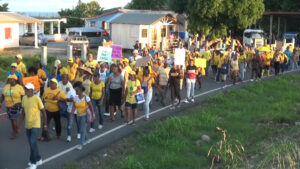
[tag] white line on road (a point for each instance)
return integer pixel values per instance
(139, 118)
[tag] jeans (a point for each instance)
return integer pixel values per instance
(32, 136)
(218, 75)
(242, 71)
(148, 98)
(190, 85)
(70, 123)
(56, 117)
(277, 67)
(163, 94)
(207, 67)
(100, 108)
(294, 65)
(283, 66)
(82, 128)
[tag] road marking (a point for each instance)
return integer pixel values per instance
(139, 118)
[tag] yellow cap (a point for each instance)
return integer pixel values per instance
(13, 65)
(125, 60)
(160, 58)
(70, 60)
(19, 56)
(13, 77)
(54, 80)
(132, 73)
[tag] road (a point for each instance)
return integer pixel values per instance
(15, 154)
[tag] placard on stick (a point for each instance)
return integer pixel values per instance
(200, 62)
(104, 54)
(179, 56)
(33, 80)
(142, 61)
(116, 52)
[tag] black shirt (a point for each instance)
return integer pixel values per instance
(174, 80)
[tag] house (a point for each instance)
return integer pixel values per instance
(103, 21)
(12, 25)
(153, 28)
(149, 27)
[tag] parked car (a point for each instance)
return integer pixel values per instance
(95, 36)
(77, 41)
(254, 37)
(28, 39)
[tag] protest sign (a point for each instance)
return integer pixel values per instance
(279, 45)
(104, 54)
(200, 62)
(179, 56)
(107, 44)
(116, 52)
(34, 80)
(142, 61)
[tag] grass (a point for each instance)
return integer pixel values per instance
(6, 60)
(251, 117)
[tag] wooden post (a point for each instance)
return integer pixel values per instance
(44, 56)
(83, 52)
(271, 24)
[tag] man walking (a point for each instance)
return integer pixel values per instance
(32, 106)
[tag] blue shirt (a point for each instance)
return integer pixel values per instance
(18, 74)
(288, 53)
(58, 78)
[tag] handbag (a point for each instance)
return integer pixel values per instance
(145, 85)
(139, 97)
(17, 108)
(63, 108)
(89, 115)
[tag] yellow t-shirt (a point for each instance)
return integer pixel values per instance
(242, 58)
(22, 68)
(13, 94)
(87, 85)
(52, 105)
(207, 55)
(97, 90)
(72, 72)
(132, 86)
(79, 78)
(91, 64)
(221, 61)
(32, 107)
(42, 75)
(144, 79)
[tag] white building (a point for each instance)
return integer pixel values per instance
(12, 25)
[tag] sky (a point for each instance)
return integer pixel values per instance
(55, 5)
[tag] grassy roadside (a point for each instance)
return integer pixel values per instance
(256, 130)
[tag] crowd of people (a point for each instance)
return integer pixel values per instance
(81, 91)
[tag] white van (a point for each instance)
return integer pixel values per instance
(94, 35)
(254, 37)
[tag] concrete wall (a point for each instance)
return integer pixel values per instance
(125, 35)
(14, 41)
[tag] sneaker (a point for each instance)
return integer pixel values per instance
(79, 147)
(69, 139)
(172, 108)
(186, 101)
(32, 166)
(92, 130)
(115, 113)
(106, 114)
(176, 101)
(251, 80)
(86, 142)
(78, 136)
(100, 126)
(40, 162)
(192, 100)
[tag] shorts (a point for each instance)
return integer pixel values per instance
(12, 116)
(115, 97)
(223, 77)
(132, 106)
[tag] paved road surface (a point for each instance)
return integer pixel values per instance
(15, 154)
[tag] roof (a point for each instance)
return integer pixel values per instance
(106, 14)
(41, 15)
(11, 17)
(141, 17)
(278, 13)
(84, 29)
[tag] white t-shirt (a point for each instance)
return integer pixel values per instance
(102, 76)
(71, 95)
(63, 87)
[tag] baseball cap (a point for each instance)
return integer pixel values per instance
(54, 80)
(19, 56)
(13, 65)
(13, 77)
(29, 86)
(135, 51)
(125, 60)
(70, 60)
(132, 73)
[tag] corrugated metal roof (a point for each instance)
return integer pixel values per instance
(11, 17)
(140, 17)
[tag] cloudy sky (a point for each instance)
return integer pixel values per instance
(55, 5)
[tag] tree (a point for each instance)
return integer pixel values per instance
(218, 16)
(148, 4)
(4, 7)
(81, 10)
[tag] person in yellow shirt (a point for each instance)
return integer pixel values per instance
(91, 62)
(72, 69)
(242, 61)
(267, 63)
(133, 87)
(42, 76)
(12, 95)
(207, 55)
(21, 67)
(97, 95)
(80, 74)
(32, 108)
(51, 97)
